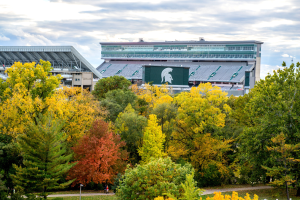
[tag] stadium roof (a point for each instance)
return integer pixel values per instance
(183, 42)
(62, 57)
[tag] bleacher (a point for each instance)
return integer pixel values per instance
(199, 71)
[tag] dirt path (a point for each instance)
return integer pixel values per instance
(208, 191)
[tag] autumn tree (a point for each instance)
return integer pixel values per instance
(156, 178)
(105, 85)
(273, 109)
(166, 114)
(130, 126)
(282, 153)
(99, 156)
(45, 157)
(35, 78)
(116, 101)
(153, 141)
(152, 96)
(201, 115)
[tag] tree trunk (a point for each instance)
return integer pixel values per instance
(287, 191)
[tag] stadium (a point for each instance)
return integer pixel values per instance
(234, 66)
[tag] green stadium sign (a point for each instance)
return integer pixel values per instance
(166, 74)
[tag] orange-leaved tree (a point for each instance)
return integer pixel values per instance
(99, 155)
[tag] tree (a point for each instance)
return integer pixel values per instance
(282, 153)
(153, 141)
(105, 85)
(77, 109)
(35, 78)
(45, 157)
(166, 113)
(130, 126)
(9, 155)
(99, 155)
(153, 96)
(196, 138)
(274, 108)
(116, 101)
(156, 178)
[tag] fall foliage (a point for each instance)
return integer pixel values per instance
(99, 156)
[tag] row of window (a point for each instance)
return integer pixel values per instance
(181, 48)
(77, 79)
(178, 55)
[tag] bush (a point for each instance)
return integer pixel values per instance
(156, 178)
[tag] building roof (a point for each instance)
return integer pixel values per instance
(63, 57)
(184, 42)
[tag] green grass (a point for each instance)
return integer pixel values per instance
(77, 192)
(269, 194)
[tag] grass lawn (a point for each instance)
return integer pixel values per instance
(111, 197)
(269, 194)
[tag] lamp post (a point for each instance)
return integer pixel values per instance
(80, 190)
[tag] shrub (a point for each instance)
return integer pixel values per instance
(156, 178)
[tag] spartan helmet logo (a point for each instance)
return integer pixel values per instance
(165, 75)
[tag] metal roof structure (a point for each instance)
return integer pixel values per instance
(62, 58)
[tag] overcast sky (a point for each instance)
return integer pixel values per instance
(85, 23)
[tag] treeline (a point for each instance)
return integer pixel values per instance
(146, 142)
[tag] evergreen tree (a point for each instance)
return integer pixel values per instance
(45, 157)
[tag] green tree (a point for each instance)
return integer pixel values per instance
(274, 108)
(45, 157)
(282, 153)
(166, 113)
(156, 178)
(153, 141)
(9, 155)
(110, 83)
(116, 101)
(130, 126)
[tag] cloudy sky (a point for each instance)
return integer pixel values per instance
(85, 23)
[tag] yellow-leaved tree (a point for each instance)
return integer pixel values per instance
(201, 114)
(153, 141)
(154, 95)
(31, 90)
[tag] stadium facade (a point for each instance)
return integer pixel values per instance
(232, 65)
(65, 60)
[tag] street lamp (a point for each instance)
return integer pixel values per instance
(80, 190)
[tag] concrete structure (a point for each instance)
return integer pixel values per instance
(232, 65)
(65, 60)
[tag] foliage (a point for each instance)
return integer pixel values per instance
(201, 115)
(36, 79)
(155, 95)
(166, 113)
(273, 109)
(9, 154)
(130, 126)
(283, 154)
(234, 196)
(105, 85)
(99, 156)
(152, 141)
(68, 104)
(45, 157)
(116, 101)
(156, 178)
